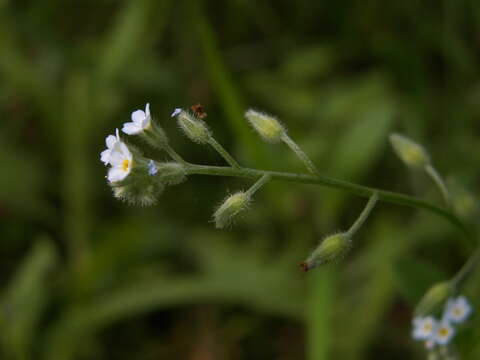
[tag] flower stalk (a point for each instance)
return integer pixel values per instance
(224, 153)
(300, 153)
(438, 180)
(363, 216)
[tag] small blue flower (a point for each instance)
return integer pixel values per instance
(176, 112)
(152, 167)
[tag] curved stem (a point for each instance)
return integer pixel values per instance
(300, 153)
(466, 269)
(383, 195)
(174, 155)
(437, 179)
(224, 153)
(363, 216)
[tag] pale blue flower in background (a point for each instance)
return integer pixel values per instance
(457, 310)
(444, 332)
(424, 328)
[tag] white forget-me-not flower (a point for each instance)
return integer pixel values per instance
(140, 122)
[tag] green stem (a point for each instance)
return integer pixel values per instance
(437, 179)
(386, 196)
(174, 155)
(363, 216)
(466, 269)
(300, 153)
(260, 182)
(224, 153)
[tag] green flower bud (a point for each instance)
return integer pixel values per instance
(332, 248)
(233, 205)
(194, 128)
(433, 298)
(139, 187)
(267, 126)
(411, 153)
(170, 173)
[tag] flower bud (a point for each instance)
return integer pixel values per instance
(233, 205)
(267, 126)
(411, 153)
(194, 128)
(169, 173)
(434, 297)
(139, 187)
(330, 249)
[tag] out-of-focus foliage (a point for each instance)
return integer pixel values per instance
(87, 277)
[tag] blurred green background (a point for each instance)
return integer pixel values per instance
(84, 276)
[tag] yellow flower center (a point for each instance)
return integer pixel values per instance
(427, 327)
(443, 332)
(457, 312)
(125, 164)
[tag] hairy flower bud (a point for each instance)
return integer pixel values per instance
(267, 126)
(194, 128)
(170, 173)
(434, 297)
(233, 205)
(330, 249)
(411, 153)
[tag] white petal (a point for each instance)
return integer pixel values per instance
(138, 116)
(146, 123)
(147, 110)
(105, 156)
(116, 158)
(117, 174)
(125, 151)
(131, 128)
(176, 112)
(118, 135)
(110, 141)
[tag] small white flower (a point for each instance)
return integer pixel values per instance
(121, 161)
(140, 121)
(457, 310)
(176, 112)
(443, 333)
(152, 167)
(110, 141)
(423, 328)
(429, 344)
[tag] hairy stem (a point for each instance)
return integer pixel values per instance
(363, 216)
(300, 153)
(360, 190)
(224, 153)
(260, 182)
(174, 155)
